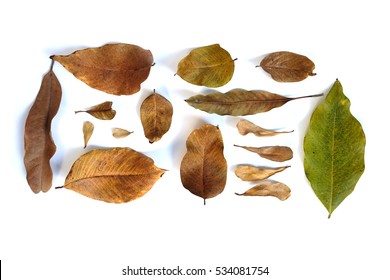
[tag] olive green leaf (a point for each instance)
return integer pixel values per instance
(334, 149)
(210, 66)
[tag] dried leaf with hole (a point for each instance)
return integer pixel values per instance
(120, 132)
(114, 175)
(102, 111)
(287, 66)
(88, 128)
(156, 116)
(239, 102)
(253, 173)
(117, 69)
(210, 66)
(269, 188)
(203, 169)
(244, 127)
(39, 146)
(274, 153)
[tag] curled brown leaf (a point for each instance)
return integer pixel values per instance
(244, 127)
(269, 188)
(102, 111)
(275, 153)
(253, 173)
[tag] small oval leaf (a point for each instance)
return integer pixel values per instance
(274, 153)
(88, 128)
(244, 127)
(120, 132)
(253, 173)
(269, 188)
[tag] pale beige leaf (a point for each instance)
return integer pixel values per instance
(120, 132)
(269, 188)
(244, 127)
(88, 128)
(252, 173)
(275, 153)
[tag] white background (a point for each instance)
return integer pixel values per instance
(63, 235)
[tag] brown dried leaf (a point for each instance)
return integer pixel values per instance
(275, 153)
(120, 132)
(269, 188)
(39, 146)
(102, 111)
(252, 173)
(244, 127)
(88, 128)
(287, 66)
(117, 69)
(113, 175)
(203, 169)
(156, 116)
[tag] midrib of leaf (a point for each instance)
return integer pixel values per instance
(114, 69)
(332, 166)
(284, 68)
(212, 65)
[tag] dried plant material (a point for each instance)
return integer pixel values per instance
(239, 102)
(244, 127)
(203, 169)
(252, 173)
(156, 116)
(114, 175)
(274, 153)
(288, 66)
(120, 132)
(39, 146)
(88, 128)
(101, 111)
(117, 69)
(269, 188)
(210, 66)
(334, 149)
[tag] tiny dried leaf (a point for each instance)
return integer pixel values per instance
(114, 175)
(120, 132)
(244, 127)
(210, 66)
(252, 173)
(275, 153)
(239, 102)
(113, 68)
(156, 116)
(102, 111)
(88, 128)
(269, 188)
(287, 66)
(39, 146)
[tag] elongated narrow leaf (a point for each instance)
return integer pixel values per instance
(113, 175)
(334, 149)
(274, 153)
(120, 132)
(253, 173)
(269, 188)
(203, 169)
(88, 128)
(287, 66)
(210, 66)
(156, 116)
(239, 102)
(244, 127)
(39, 146)
(117, 69)
(101, 111)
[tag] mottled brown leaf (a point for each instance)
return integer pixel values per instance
(287, 66)
(244, 127)
(101, 111)
(275, 153)
(117, 69)
(39, 146)
(113, 175)
(88, 128)
(253, 173)
(203, 169)
(156, 116)
(120, 132)
(269, 188)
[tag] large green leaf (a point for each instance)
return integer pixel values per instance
(334, 149)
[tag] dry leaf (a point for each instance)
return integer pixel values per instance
(239, 102)
(101, 111)
(244, 127)
(252, 173)
(203, 169)
(288, 66)
(113, 68)
(156, 116)
(39, 146)
(113, 175)
(275, 153)
(87, 131)
(210, 66)
(120, 132)
(269, 188)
